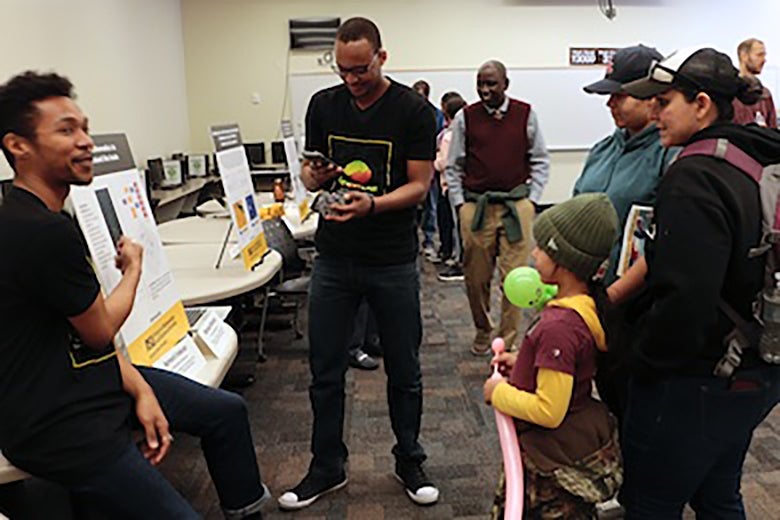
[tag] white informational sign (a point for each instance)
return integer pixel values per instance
(212, 333)
(240, 194)
(115, 205)
(184, 358)
(300, 193)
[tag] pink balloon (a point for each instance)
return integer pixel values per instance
(510, 448)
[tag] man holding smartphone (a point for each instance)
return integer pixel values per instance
(381, 135)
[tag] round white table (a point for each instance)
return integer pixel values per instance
(195, 230)
(202, 230)
(199, 282)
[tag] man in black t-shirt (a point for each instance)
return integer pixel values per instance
(381, 135)
(67, 398)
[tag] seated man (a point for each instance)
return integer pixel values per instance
(67, 398)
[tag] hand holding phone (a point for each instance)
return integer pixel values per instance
(318, 157)
(319, 167)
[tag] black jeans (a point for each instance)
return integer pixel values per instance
(684, 440)
(446, 224)
(393, 292)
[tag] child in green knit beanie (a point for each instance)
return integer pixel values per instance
(571, 457)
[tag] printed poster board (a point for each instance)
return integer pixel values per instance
(239, 193)
(113, 205)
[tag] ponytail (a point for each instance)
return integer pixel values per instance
(610, 316)
(598, 291)
(750, 90)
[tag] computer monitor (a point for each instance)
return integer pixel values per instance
(156, 172)
(255, 154)
(278, 155)
(198, 165)
(172, 177)
(185, 166)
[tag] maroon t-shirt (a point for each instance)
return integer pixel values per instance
(745, 114)
(559, 340)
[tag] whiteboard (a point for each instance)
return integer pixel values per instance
(569, 118)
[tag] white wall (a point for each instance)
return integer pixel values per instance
(234, 48)
(125, 58)
(164, 70)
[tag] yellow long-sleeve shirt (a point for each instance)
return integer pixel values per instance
(547, 406)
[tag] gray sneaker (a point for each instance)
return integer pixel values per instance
(361, 360)
(431, 255)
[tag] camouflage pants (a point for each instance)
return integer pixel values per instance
(544, 498)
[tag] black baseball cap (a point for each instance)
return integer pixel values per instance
(696, 69)
(628, 64)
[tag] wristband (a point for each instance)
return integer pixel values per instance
(373, 205)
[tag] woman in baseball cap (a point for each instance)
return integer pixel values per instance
(686, 427)
(688, 74)
(626, 165)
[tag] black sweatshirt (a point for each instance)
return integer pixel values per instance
(707, 217)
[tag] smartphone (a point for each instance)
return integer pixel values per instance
(315, 156)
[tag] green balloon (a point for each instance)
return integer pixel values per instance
(523, 287)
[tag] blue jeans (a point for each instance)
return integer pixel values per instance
(457, 244)
(131, 487)
(338, 285)
(364, 330)
(429, 214)
(685, 439)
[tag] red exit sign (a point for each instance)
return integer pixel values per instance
(591, 55)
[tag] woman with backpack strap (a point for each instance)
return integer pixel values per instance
(686, 430)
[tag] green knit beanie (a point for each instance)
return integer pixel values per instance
(578, 234)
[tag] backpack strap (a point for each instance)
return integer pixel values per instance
(745, 333)
(722, 149)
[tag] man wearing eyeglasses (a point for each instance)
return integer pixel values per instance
(497, 167)
(380, 137)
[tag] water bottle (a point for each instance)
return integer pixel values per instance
(769, 344)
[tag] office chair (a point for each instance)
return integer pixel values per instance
(294, 283)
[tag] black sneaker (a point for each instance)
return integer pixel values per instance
(311, 488)
(451, 274)
(418, 487)
(372, 347)
(361, 360)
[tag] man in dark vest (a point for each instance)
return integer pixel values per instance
(497, 168)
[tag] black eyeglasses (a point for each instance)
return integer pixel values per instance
(355, 71)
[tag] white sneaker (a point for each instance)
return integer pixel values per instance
(309, 490)
(416, 483)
